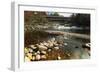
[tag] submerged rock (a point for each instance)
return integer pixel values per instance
(53, 39)
(65, 37)
(60, 39)
(76, 54)
(68, 54)
(65, 44)
(85, 54)
(49, 50)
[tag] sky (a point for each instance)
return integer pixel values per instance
(62, 14)
(66, 14)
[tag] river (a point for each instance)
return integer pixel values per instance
(73, 44)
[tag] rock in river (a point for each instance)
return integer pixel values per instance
(27, 59)
(49, 50)
(45, 44)
(43, 52)
(30, 50)
(29, 55)
(43, 57)
(65, 44)
(50, 45)
(33, 58)
(41, 47)
(56, 48)
(38, 57)
(59, 58)
(26, 50)
(38, 52)
(32, 46)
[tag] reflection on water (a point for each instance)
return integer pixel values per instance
(73, 45)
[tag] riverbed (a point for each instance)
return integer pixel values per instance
(61, 47)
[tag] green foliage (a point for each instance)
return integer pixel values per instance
(54, 14)
(81, 20)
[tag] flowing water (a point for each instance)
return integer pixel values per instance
(73, 45)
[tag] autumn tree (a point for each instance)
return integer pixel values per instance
(33, 20)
